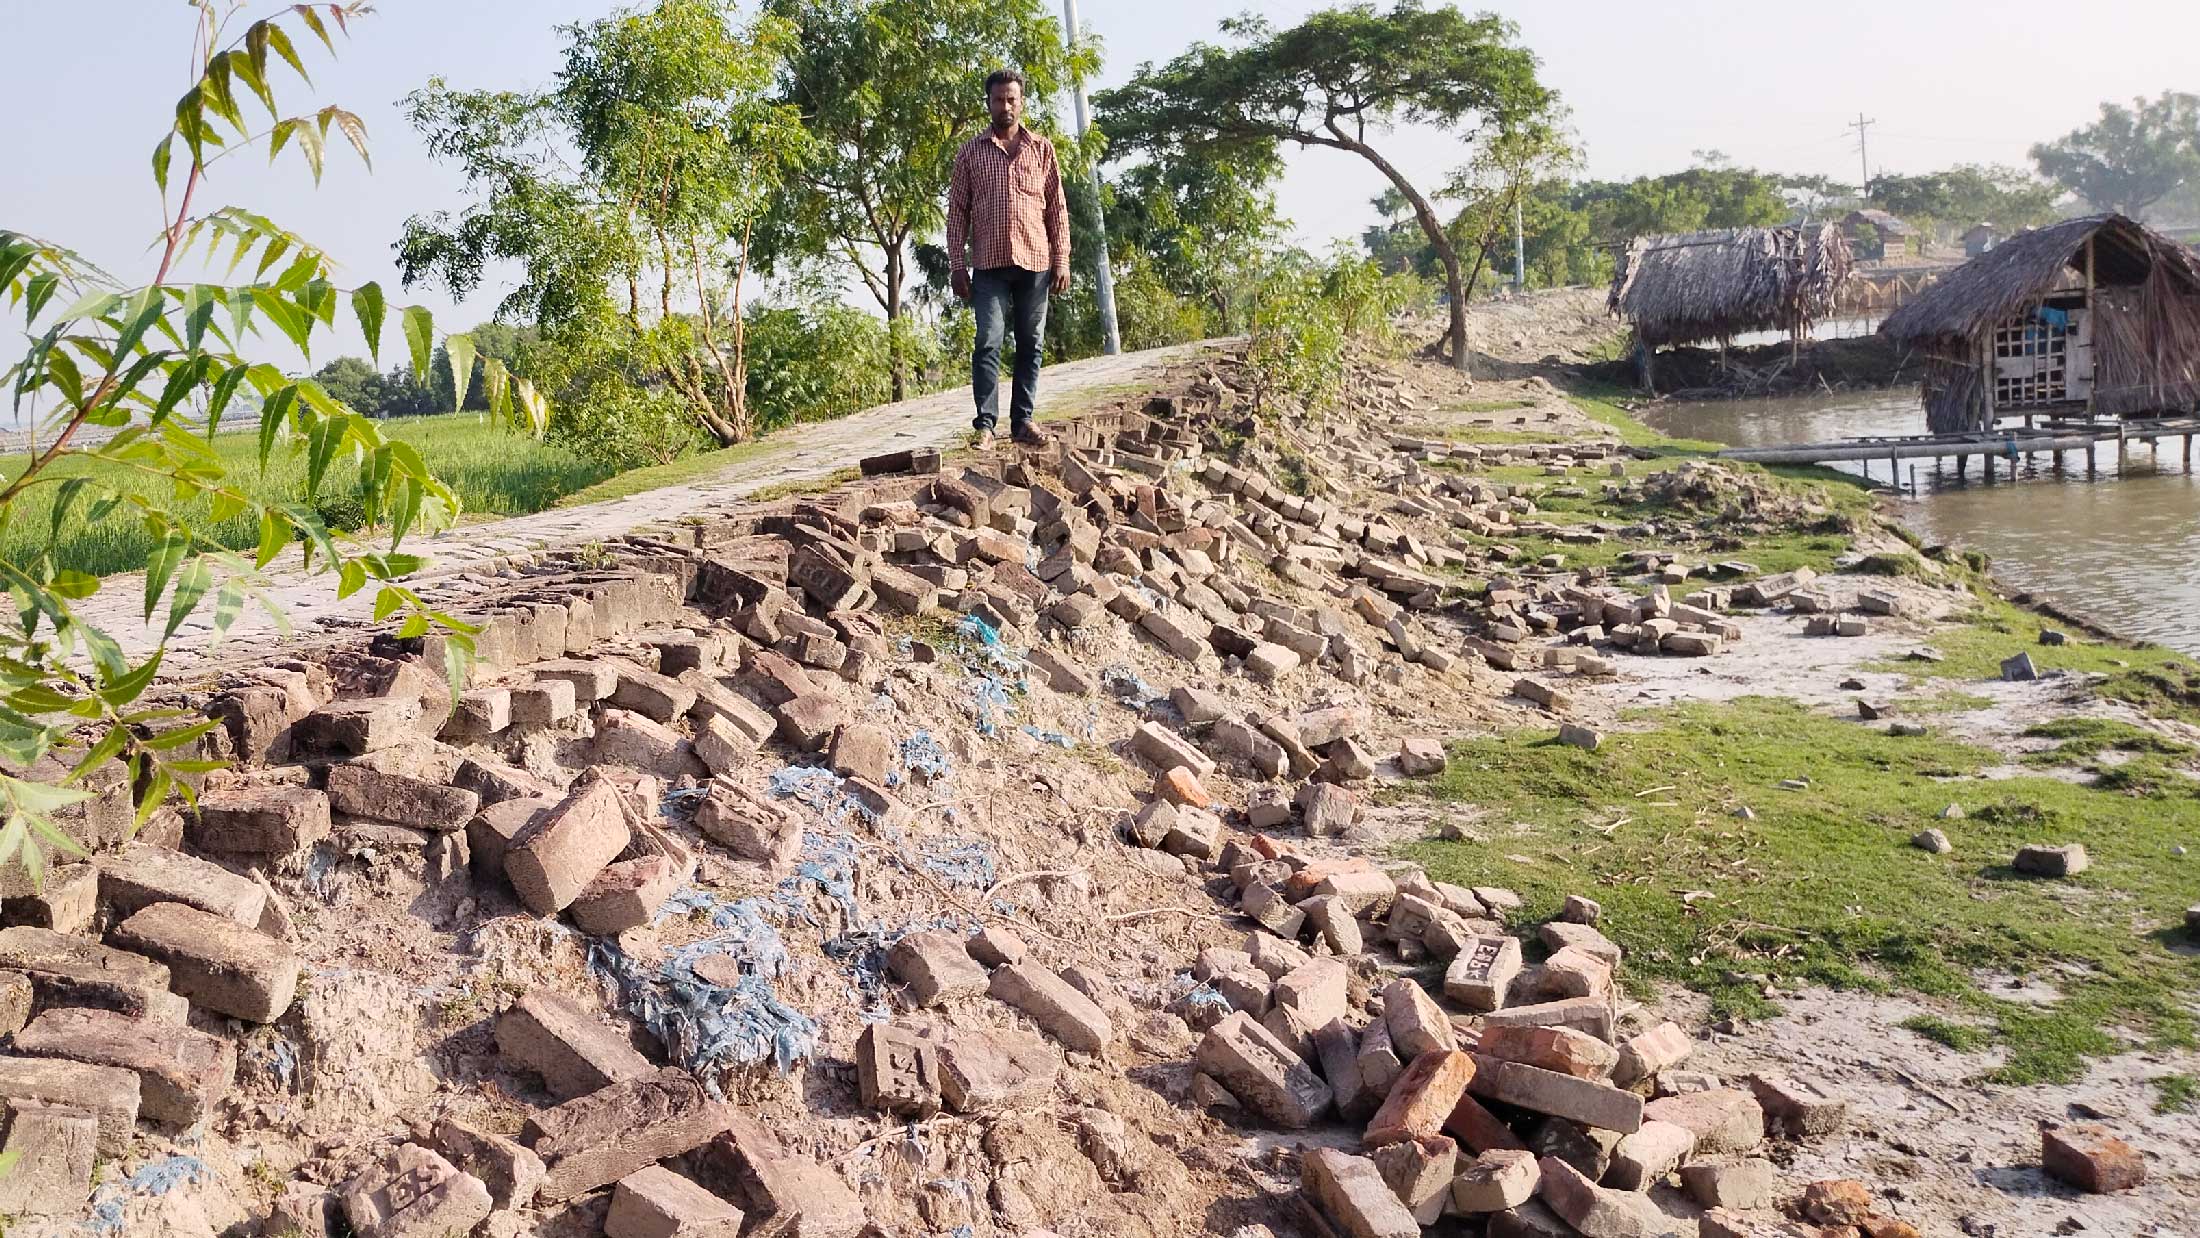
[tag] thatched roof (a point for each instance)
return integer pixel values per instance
(1887, 223)
(1691, 286)
(2023, 268)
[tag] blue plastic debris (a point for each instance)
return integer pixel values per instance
(1056, 738)
(821, 789)
(991, 702)
(710, 1027)
(1124, 685)
(156, 1177)
(1206, 995)
(925, 758)
(829, 863)
(960, 862)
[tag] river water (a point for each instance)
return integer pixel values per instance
(2124, 550)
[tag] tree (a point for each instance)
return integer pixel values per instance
(675, 150)
(1503, 169)
(1958, 197)
(1330, 80)
(1202, 222)
(888, 89)
(2131, 157)
(157, 365)
(354, 383)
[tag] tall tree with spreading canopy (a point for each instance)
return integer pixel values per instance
(628, 192)
(2132, 157)
(888, 89)
(1332, 81)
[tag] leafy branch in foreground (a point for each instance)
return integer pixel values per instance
(132, 381)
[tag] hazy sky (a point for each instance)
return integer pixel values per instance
(90, 83)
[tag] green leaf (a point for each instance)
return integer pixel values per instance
(198, 310)
(288, 318)
(227, 605)
(224, 388)
(105, 653)
(414, 627)
(225, 505)
(125, 688)
(67, 497)
(350, 578)
(180, 382)
(161, 154)
(278, 39)
(101, 753)
(190, 587)
(142, 314)
(42, 797)
(37, 292)
(274, 535)
(313, 23)
(386, 601)
(272, 413)
(366, 305)
(461, 350)
(420, 337)
(74, 585)
(321, 443)
(166, 556)
(165, 741)
(496, 384)
(458, 659)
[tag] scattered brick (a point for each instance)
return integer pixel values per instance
(936, 968)
(366, 792)
(1264, 1073)
(412, 1192)
(1723, 1119)
(182, 1072)
(215, 963)
(1560, 1049)
(1422, 1099)
(1596, 1212)
(1351, 1192)
(1481, 975)
(625, 895)
(1061, 1011)
(1544, 1091)
(597, 1139)
(655, 1202)
(1650, 1053)
(898, 1070)
(553, 859)
(510, 1172)
(1496, 1180)
(108, 1093)
(1797, 1110)
(1744, 1184)
(2087, 1155)
(571, 1050)
(1417, 1024)
(1419, 1172)
(259, 820)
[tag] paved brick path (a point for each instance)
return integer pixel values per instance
(797, 454)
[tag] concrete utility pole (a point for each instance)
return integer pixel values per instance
(1863, 187)
(1520, 249)
(1111, 339)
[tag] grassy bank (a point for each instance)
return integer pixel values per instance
(1818, 882)
(494, 472)
(1823, 887)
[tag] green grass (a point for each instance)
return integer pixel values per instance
(1961, 1037)
(2085, 737)
(699, 467)
(2176, 1093)
(2158, 681)
(1823, 887)
(493, 470)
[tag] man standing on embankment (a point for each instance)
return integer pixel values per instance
(1005, 207)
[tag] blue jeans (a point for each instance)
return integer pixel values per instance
(1003, 296)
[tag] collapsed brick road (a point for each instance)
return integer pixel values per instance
(979, 848)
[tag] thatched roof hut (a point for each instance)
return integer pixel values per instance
(2097, 315)
(1696, 286)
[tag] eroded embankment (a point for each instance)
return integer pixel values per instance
(1014, 848)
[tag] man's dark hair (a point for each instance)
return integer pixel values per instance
(1002, 77)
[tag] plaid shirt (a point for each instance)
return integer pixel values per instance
(1005, 204)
